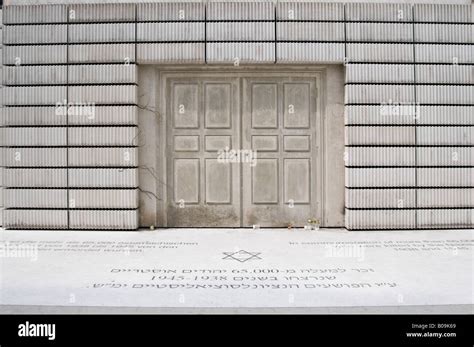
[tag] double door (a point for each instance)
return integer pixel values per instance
(242, 151)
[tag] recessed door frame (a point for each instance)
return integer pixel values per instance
(164, 73)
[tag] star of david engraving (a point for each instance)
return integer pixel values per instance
(242, 255)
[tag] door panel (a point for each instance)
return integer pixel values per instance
(218, 103)
(218, 182)
(186, 143)
(296, 180)
(186, 109)
(186, 180)
(296, 105)
(264, 106)
(279, 122)
(265, 182)
(206, 119)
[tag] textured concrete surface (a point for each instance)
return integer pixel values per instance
(36, 2)
(237, 271)
(386, 152)
(446, 309)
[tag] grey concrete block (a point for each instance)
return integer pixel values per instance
(380, 52)
(445, 74)
(103, 157)
(106, 115)
(445, 177)
(35, 198)
(35, 14)
(381, 198)
(444, 53)
(106, 33)
(34, 34)
(379, 73)
(445, 218)
(428, 94)
(262, 10)
(380, 156)
(2, 184)
(241, 52)
(240, 31)
(178, 53)
(380, 135)
(442, 13)
(447, 197)
(24, 136)
(381, 12)
(446, 115)
(451, 135)
(171, 31)
(102, 53)
(377, 114)
(33, 95)
(23, 55)
(380, 219)
(289, 10)
(380, 177)
(169, 11)
(310, 31)
(103, 178)
(292, 52)
(87, 74)
(102, 13)
(110, 219)
(103, 136)
(40, 178)
(34, 157)
(445, 156)
(32, 75)
(107, 94)
(379, 94)
(449, 33)
(379, 32)
(35, 219)
(103, 198)
(33, 116)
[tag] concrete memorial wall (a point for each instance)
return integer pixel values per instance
(409, 103)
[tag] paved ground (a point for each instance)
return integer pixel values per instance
(446, 309)
(237, 271)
